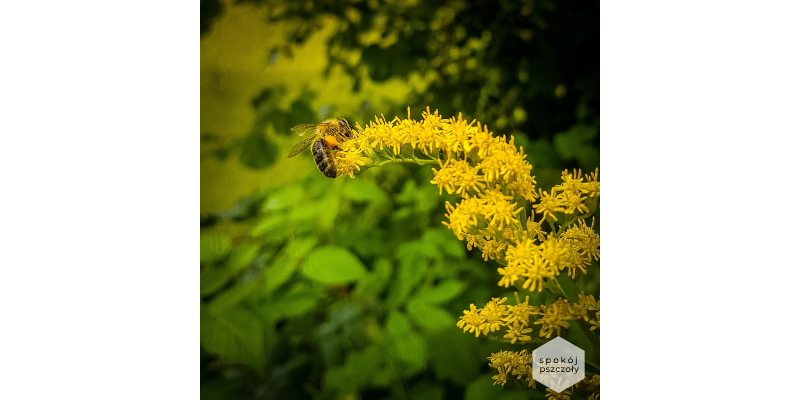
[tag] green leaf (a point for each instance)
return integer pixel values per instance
(284, 198)
(214, 279)
(440, 293)
(568, 286)
(271, 225)
(298, 248)
(406, 346)
(241, 256)
(258, 152)
(365, 363)
(372, 284)
(213, 247)
(455, 248)
(483, 388)
(232, 297)
(569, 142)
(236, 335)
(333, 264)
(412, 270)
(363, 190)
(279, 272)
(543, 155)
(330, 207)
(296, 301)
(430, 317)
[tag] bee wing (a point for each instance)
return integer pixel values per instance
(299, 147)
(305, 129)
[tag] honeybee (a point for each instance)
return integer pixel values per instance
(325, 137)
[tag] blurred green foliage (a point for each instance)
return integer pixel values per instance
(339, 288)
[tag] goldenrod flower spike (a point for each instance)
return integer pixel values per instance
(502, 213)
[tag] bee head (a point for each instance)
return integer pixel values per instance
(344, 128)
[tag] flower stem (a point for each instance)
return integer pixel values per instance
(405, 160)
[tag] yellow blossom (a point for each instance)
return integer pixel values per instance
(471, 321)
(554, 318)
(549, 205)
(554, 253)
(517, 364)
(493, 314)
(519, 314)
(498, 211)
(463, 217)
(534, 230)
(514, 334)
(583, 239)
(493, 249)
(595, 323)
(553, 395)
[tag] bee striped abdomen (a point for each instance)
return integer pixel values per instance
(324, 159)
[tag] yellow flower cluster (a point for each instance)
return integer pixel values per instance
(538, 257)
(496, 315)
(590, 385)
(551, 394)
(587, 385)
(517, 364)
(575, 194)
(516, 321)
(534, 234)
(492, 177)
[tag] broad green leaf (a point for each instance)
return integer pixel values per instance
(286, 197)
(483, 388)
(296, 301)
(213, 247)
(241, 256)
(330, 210)
(577, 136)
(440, 293)
(279, 272)
(406, 346)
(568, 286)
(543, 155)
(430, 317)
(333, 264)
(365, 363)
(339, 378)
(214, 279)
(258, 152)
(397, 324)
(455, 248)
(236, 335)
(411, 271)
(363, 190)
(232, 297)
(305, 213)
(271, 225)
(298, 248)
(372, 284)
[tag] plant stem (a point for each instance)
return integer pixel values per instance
(401, 160)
